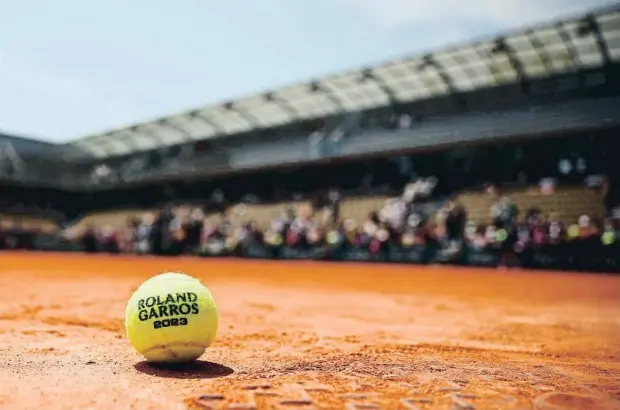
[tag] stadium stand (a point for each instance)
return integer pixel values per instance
(478, 153)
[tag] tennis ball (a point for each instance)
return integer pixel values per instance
(171, 318)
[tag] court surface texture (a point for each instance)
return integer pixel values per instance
(310, 335)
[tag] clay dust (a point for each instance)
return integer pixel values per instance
(303, 335)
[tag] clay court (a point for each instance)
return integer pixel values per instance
(313, 335)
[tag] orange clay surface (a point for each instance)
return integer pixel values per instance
(304, 335)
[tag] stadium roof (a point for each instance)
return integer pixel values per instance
(590, 41)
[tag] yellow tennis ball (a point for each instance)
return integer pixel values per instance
(171, 318)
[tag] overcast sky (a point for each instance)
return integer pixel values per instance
(69, 68)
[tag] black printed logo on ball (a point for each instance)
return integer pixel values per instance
(167, 308)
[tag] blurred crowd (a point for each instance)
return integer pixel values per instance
(413, 209)
(438, 227)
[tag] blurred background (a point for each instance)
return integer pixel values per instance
(499, 152)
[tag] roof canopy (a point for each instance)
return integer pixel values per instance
(590, 41)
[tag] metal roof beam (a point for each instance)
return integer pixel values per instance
(282, 103)
(465, 65)
(208, 121)
(568, 43)
(141, 130)
(368, 74)
(317, 87)
(502, 47)
(429, 61)
(589, 25)
(113, 146)
(164, 122)
(251, 119)
(540, 49)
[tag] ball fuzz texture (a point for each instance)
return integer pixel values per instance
(171, 318)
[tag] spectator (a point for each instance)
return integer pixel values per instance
(160, 232)
(455, 220)
(587, 228)
(350, 232)
(142, 233)
(471, 231)
(393, 213)
(370, 228)
(547, 185)
(555, 229)
(109, 240)
(327, 206)
(89, 239)
(504, 213)
(193, 230)
(611, 193)
(297, 235)
(217, 202)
